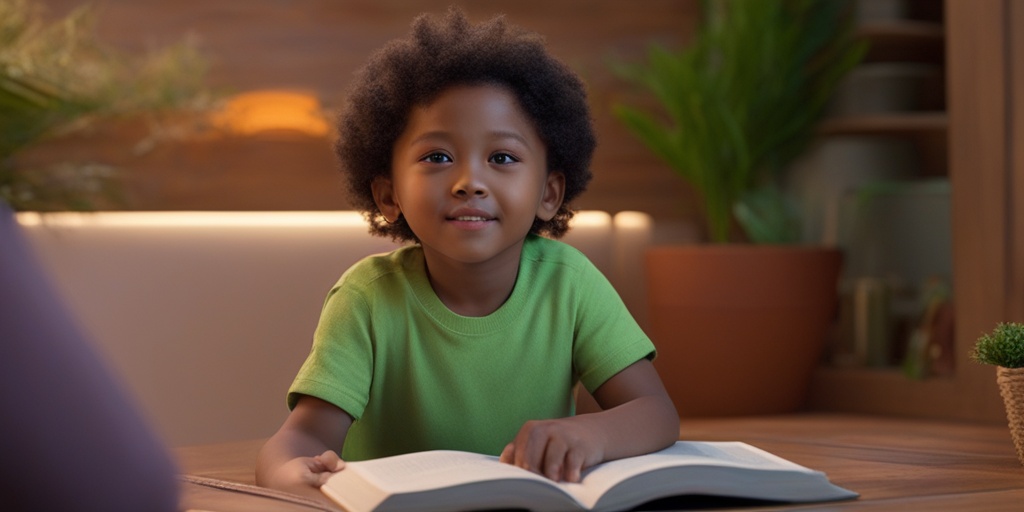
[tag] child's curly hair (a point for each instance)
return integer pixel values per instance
(444, 52)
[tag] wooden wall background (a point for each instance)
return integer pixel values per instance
(315, 46)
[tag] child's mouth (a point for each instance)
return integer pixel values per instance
(471, 222)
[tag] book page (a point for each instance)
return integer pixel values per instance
(723, 455)
(441, 481)
(421, 471)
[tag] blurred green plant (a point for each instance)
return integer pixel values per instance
(1004, 346)
(57, 77)
(741, 101)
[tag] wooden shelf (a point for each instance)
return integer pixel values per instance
(903, 32)
(907, 123)
(985, 81)
(905, 41)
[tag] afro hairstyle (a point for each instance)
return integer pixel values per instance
(447, 51)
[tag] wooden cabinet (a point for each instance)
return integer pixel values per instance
(979, 143)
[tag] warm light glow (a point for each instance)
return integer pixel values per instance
(194, 219)
(272, 110)
(590, 218)
(634, 220)
(583, 219)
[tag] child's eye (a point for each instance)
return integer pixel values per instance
(437, 158)
(503, 158)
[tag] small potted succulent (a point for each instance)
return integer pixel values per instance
(1004, 348)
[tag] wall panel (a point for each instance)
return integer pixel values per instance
(316, 45)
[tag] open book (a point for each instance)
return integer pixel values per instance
(451, 480)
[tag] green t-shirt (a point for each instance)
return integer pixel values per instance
(416, 376)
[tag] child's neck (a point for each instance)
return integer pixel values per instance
(472, 289)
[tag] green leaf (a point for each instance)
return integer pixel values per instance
(768, 217)
(57, 75)
(1004, 346)
(741, 101)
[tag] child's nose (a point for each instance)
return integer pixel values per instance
(469, 182)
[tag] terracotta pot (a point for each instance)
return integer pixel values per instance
(1011, 387)
(740, 328)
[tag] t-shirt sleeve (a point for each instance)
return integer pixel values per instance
(607, 337)
(339, 368)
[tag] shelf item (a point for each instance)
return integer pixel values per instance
(889, 88)
(886, 124)
(904, 41)
(837, 165)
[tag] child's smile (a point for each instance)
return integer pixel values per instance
(470, 218)
(469, 174)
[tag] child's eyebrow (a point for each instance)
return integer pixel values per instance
(497, 134)
(511, 135)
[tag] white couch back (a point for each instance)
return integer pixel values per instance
(207, 316)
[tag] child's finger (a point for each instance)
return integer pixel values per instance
(508, 454)
(553, 459)
(530, 446)
(574, 461)
(322, 477)
(314, 473)
(331, 461)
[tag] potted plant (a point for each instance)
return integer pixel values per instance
(1004, 348)
(740, 326)
(57, 78)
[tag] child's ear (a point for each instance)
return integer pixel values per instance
(384, 196)
(551, 201)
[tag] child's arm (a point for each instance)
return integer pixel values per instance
(638, 418)
(304, 452)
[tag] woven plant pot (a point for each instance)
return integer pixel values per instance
(1011, 387)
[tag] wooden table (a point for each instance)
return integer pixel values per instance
(895, 464)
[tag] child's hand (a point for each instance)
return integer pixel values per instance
(558, 449)
(301, 475)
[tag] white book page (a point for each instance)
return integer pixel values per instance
(683, 453)
(421, 471)
(442, 481)
(600, 478)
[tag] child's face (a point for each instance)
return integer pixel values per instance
(469, 174)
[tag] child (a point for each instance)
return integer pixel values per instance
(469, 141)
